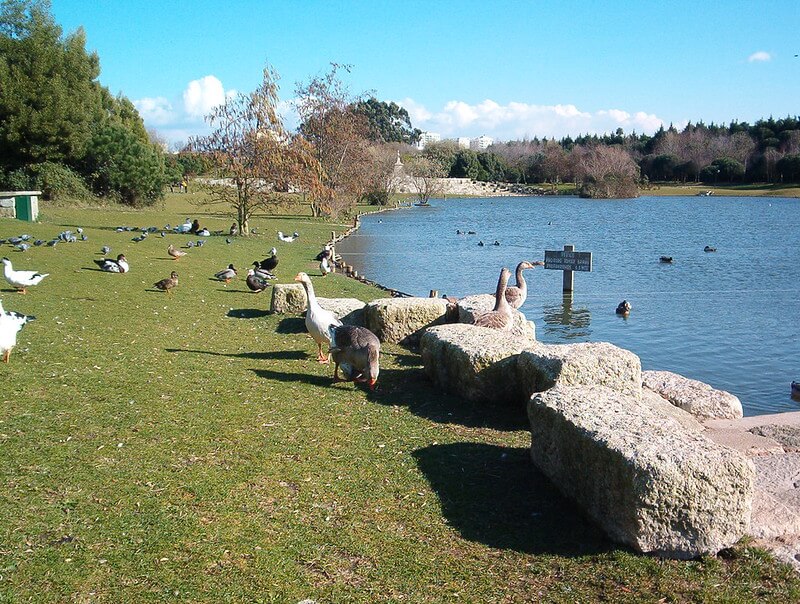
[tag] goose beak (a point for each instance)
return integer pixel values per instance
(371, 384)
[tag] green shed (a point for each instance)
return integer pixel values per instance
(25, 204)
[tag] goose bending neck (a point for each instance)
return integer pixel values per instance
(500, 302)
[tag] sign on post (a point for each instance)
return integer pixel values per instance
(568, 261)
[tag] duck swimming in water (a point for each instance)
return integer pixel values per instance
(623, 308)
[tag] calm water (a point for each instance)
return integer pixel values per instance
(729, 318)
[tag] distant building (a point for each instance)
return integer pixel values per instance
(426, 138)
(480, 143)
(463, 142)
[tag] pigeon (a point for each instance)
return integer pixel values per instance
(10, 324)
(105, 250)
(21, 280)
(200, 242)
(25, 237)
(228, 240)
(38, 242)
(190, 244)
(22, 246)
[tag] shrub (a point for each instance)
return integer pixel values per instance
(58, 182)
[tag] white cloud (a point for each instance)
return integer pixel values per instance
(518, 120)
(759, 57)
(155, 111)
(202, 95)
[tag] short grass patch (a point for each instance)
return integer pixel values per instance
(188, 447)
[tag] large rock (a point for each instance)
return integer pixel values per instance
(477, 363)
(401, 320)
(644, 479)
(698, 398)
(593, 363)
(349, 311)
(470, 307)
(288, 298)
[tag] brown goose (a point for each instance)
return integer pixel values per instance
(500, 317)
(516, 296)
(358, 351)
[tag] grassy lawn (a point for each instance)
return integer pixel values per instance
(756, 190)
(188, 447)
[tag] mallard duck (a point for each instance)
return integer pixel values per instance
(319, 321)
(796, 389)
(262, 273)
(120, 265)
(175, 252)
(357, 350)
(226, 274)
(21, 280)
(516, 295)
(665, 259)
(269, 264)
(167, 284)
(500, 317)
(255, 283)
(10, 324)
(288, 238)
(623, 308)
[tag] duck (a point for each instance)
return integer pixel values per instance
(500, 317)
(254, 283)
(496, 242)
(708, 248)
(234, 230)
(624, 308)
(796, 390)
(357, 350)
(120, 265)
(325, 253)
(516, 295)
(319, 321)
(288, 238)
(167, 284)
(325, 267)
(185, 227)
(226, 274)
(21, 280)
(270, 263)
(204, 232)
(175, 252)
(480, 243)
(665, 259)
(10, 325)
(262, 273)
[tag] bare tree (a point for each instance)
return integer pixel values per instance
(427, 177)
(609, 172)
(255, 159)
(340, 139)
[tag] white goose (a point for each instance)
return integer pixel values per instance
(21, 279)
(10, 324)
(288, 238)
(319, 322)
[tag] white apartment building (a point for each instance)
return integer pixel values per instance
(426, 138)
(480, 143)
(463, 142)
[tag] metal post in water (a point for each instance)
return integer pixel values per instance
(568, 276)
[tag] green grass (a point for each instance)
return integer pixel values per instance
(188, 447)
(752, 190)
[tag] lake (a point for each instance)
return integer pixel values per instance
(730, 318)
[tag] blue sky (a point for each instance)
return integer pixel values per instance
(507, 69)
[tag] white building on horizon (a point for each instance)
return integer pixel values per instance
(463, 142)
(426, 138)
(480, 143)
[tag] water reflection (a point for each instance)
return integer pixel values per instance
(566, 322)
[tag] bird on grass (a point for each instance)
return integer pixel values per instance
(105, 250)
(120, 265)
(357, 351)
(325, 267)
(262, 273)
(204, 232)
(499, 317)
(319, 321)
(516, 295)
(234, 230)
(167, 284)
(10, 324)
(175, 252)
(254, 283)
(21, 280)
(288, 238)
(226, 274)
(185, 227)
(269, 264)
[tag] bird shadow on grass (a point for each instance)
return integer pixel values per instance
(494, 495)
(247, 313)
(291, 325)
(285, 376)
(280, 355)
(412, 389)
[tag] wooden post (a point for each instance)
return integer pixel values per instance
(333, 235)
(568, 276)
